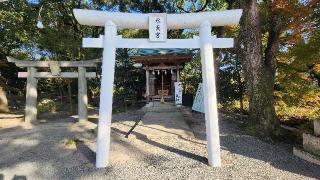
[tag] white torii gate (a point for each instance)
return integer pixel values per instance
(110, 41)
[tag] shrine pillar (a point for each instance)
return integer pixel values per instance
(173, 80)
(147, 84)
(151, 84)
(31, 96)
(178, 74)
(82, 94)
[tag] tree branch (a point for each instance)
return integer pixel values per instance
(273, 41)
(198, 10)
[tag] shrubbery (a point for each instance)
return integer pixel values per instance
(47, 105)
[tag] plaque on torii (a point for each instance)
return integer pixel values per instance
(158, 25)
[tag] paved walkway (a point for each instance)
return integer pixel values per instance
(162, 146)
(162, 120)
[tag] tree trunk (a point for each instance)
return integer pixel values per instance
(259, 75)
(3, 101)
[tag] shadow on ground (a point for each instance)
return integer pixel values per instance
(145, 139)
(40, 151)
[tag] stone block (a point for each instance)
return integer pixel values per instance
(306, 156)
(316, 125)
(3, 101)
(311, 143)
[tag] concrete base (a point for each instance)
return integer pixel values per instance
(311, 143)
(316, 126)
(306, 156)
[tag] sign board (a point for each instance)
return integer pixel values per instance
(178, 88)
(158, 27)
(198, 103)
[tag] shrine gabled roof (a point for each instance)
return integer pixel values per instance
(146, 52)
(149, 56)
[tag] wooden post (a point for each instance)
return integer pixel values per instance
(210, 97)
(31, 97)
(162, 99)
(178, 77)
(82, 95)
(147, 84)
(173, 80)
(151, 84)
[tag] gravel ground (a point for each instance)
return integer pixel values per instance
(42, 153)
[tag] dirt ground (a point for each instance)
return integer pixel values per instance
(168, 143)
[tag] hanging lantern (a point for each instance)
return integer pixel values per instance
(153, 72)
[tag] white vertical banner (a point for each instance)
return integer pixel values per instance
(178, 88)
(198, 103)
(158, 27)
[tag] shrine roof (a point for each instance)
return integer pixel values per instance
(175, 51)
(147, 56)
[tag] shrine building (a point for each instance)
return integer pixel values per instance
(162, 68)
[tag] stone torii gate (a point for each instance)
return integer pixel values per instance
(157, 25)
(32, 75)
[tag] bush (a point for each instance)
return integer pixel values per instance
(47, 105)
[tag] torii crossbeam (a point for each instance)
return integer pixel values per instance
(158, 25)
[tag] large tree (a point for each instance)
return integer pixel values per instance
(282, 23)
(259, 73)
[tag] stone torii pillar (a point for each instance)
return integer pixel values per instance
(82, 94)
(31, 96)
(157, 25)
(32, 75)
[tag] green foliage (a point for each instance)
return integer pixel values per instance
(71, 142)
(129, 81)
(298, 78)
(191, 75)
(47, 105)
(230, 82)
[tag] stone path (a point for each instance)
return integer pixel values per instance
(162, 146)
(162, 120)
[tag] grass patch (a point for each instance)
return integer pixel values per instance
(73, 142)
(250, 130)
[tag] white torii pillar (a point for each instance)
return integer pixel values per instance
(110, 41)
(210, 97)
(106, 94)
